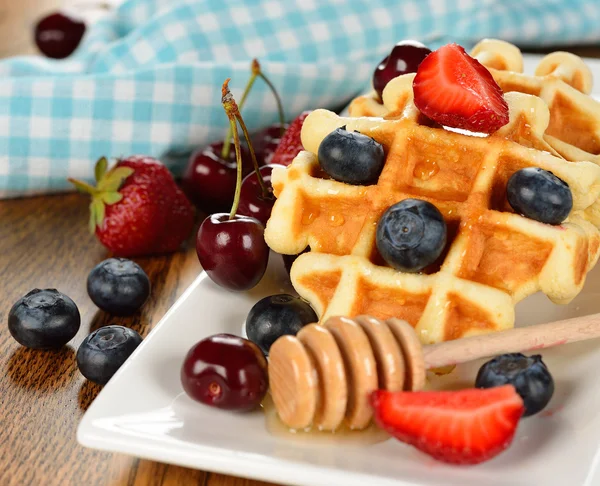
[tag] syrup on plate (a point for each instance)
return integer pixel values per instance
(343, 436)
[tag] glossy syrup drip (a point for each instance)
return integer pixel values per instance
(342, 436)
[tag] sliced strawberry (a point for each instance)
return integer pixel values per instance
(290, 143)
(459, 427)
(456, 90)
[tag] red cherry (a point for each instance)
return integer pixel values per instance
(252, 201)
(266, 142)
(209, 180)
(233, 252)
(225, 371)
(58, 35)
(404, 58)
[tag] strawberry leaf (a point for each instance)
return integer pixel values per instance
(111, 197)
(100, 168)
(98, 211)
(83, 187)
(92, 220)
(114, 178)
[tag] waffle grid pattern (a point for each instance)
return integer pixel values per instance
(495, 257)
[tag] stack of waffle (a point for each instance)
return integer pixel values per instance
(493, 258)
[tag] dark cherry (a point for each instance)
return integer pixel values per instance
(252, 201)
(58, 34)
(404, 58)
(233, 252)
(225, 371)
(209, 180)
(266, 142)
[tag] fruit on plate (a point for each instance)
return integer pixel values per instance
(351, 157)
(411, 235)
(540, 195)
(256, 201)
(225, 371)
(460, 427)
(529, 375)
(57, 35)
(118, 286)
(231, 247)
(136, 208)
(276, 316)
(454, 89)
(406, 56)
(44, 319)
(104, 351)
(291, 142)
(210, 177)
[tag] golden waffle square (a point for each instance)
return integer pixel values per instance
(561, 79)
(493, 259)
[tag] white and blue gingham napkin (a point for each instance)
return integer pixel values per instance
(146, 79)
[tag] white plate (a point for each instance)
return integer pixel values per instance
(143, 411)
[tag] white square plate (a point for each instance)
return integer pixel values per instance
(143, 411)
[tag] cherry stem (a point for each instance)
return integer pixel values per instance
(263, 187)
(255, 66)
(278, 99)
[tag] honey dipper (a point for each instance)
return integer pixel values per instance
(325, 374)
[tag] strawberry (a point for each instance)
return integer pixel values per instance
(136, 208)
(461, 427)
(454, 89)
(290, 143)
(180, 218)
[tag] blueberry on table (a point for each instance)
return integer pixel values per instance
(118, 286)
(227, 372)
(103, 352)
(276, 316)
(539, 195)
(351, 157)
(411, 235)
(529, 376)
(44, 319)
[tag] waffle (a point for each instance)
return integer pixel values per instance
(493, 259)
(561, 79)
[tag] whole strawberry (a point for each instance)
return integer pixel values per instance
(136, 208)
(290, 143)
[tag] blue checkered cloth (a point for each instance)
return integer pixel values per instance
(146, 79)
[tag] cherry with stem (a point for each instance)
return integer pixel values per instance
(231, 247)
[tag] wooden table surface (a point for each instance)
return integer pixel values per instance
(44, 243)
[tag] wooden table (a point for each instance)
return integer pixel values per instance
(44, 243)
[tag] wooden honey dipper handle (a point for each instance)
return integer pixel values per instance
(522, 339)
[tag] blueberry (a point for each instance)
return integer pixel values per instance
(103, 352)
(118, 286)
(44, 319)
(528, 375)
(351, 157)
(540, 195)
(411, 235)
(276, 316)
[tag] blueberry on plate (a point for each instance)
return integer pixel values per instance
(529, 376)
(118, 286)
(351, 157)
(539, 195)
(44, 319)
(411, 235)
(276, 316)
(103, 352)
